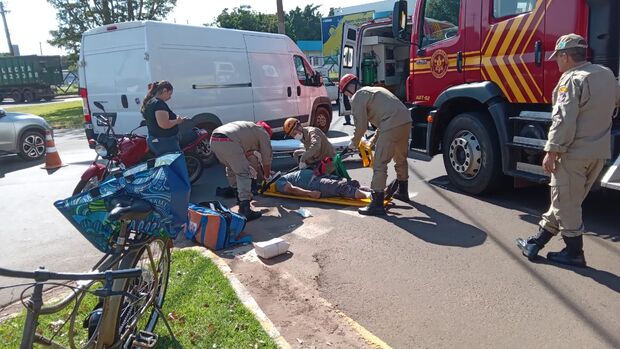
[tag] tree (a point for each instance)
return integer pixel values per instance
(77, 16)
(301, 24)
(444, 10)
(332, 11)
(306, 22)
(245, 18)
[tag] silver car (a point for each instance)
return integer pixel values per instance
(22, 134)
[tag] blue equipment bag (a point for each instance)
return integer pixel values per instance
(213, 225)
(156, 181)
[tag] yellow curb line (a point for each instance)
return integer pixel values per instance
(366, 335)
(245, 297)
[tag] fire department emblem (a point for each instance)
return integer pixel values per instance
(439, 64)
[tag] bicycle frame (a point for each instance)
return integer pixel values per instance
(112, 292)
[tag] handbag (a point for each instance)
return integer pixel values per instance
(214, 226)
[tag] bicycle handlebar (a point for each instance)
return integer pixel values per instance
(43, 275)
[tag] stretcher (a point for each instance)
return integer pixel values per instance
(271, 191)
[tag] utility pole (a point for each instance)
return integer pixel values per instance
(40, 48)
(6, 28)
(280, 17)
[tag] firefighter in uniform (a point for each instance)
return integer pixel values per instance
(384, 111)
(578, 145)
(232, 143)
(316, 144)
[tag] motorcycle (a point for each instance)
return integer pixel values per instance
(123, 151)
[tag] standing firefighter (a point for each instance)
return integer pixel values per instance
(391, 119)
(578, 145)
(316, 144)
(231, 143)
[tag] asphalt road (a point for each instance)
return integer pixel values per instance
(10, 103)
(441, 272)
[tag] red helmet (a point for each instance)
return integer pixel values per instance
(345, 80)
(266, 127)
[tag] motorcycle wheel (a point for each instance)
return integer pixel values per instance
(85, 185)
(194, 167)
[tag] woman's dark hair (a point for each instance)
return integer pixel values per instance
(154, 88)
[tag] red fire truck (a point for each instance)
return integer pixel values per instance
(477, 79)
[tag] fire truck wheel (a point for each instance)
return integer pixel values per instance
(471, 153)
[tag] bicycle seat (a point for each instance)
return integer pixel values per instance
(128, 208)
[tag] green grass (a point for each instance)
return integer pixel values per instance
(59, 115)
(200, 305)
(72, 90)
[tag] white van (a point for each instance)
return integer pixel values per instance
(219, 75)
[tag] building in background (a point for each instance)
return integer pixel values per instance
(331, 27)
(313, 49)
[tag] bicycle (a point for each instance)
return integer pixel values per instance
(136, 275)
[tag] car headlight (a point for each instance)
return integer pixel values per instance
(101, 150)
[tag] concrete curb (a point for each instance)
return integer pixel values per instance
(245, 297)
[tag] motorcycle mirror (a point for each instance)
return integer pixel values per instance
(142, 123)
(99, 105)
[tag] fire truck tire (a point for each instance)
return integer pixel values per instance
(471, 153)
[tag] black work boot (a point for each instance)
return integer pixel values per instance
(572, 254)
(375, 208)
(533, 244)
(246, 211)
(403, 191)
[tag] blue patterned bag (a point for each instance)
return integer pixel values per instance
(156, 181)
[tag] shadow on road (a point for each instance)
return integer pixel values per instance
(12, 163)
(600, 217)
(438, 228)
(605, 278)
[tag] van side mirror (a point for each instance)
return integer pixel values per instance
(2, 112)
(399, 20)
(317, 79)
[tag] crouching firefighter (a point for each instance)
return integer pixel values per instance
(379, 107)
(316, 144)
(230, 143)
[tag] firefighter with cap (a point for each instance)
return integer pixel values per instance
(384, 111)
(316, 144)
(232, 143)
(577, 146)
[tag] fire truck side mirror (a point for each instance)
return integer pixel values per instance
(399, 20)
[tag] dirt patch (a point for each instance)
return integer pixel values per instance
(304, 318)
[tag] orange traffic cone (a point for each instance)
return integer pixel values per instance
(52, 159)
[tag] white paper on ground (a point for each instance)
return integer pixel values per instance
(271, 248)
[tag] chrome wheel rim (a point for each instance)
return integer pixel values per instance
(465, 155)
(34, 146)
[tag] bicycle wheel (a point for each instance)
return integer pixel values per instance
(137, 311)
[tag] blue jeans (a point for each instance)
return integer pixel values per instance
(164, 145)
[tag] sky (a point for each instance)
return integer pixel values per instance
(30, 21)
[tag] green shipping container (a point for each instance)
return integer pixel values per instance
(30, 70)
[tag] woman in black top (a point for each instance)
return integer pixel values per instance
(162, 123)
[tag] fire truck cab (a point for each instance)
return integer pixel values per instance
(476, 77)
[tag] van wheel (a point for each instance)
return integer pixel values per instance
(471, 154)
(322, 119)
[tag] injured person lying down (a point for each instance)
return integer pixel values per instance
(305, 183)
